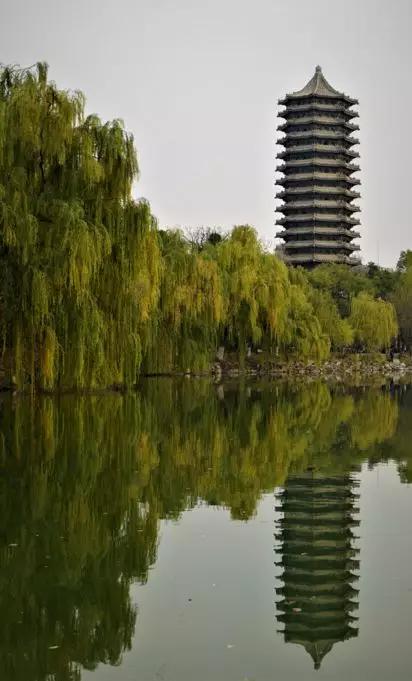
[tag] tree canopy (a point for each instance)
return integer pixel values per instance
(402, 299)
(79, 259)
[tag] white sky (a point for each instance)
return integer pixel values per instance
(198, 83)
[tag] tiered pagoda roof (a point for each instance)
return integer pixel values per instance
(317, 599)
(317, 164)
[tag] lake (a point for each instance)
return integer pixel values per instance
(200, 532)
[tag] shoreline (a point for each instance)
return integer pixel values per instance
(345, 369)
(338, 368)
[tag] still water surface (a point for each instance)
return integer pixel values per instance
(199, 533)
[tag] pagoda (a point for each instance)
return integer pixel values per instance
(317, 597)
(317, 186)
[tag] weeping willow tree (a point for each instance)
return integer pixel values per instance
(79, 259)
(255, 289)
(190, 308)
(374, 322)
(338, 330)
(265, 303)
(402, 298)
(305, 336)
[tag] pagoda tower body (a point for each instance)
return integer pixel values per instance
(317, 598)
(317, 186)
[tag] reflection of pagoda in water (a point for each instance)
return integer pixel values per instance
(317, 598)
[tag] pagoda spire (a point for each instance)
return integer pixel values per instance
(318, 85)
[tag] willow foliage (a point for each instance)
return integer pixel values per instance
(255, 290)
(402, 299)
(79, 260)
(190, 308)
(373, 321)
(338, 330)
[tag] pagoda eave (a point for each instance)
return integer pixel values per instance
(316, 120)
(317, 134)
(319, 243)
(292, 97)
(316, 189)
(319, 258)
(292, 232)
(299, 177)
(305, 205)
(318, 217)
(318, 148)
(291, 111)
(318, 163)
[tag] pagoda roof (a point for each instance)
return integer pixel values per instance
(321, 217)
(317, 203)
(339, 590)
(306, 258)
(293, 232)
(334, 107)
(331, 177)
(327, 148)
(316, 189)
(318, 85)
(319, 649)
(316, 119)
(339, 245)
(315, 133)
(316, 161)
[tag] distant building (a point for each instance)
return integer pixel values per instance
(317, 186)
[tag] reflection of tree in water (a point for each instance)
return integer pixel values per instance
(398, 447)
(317, 598)
(74, 537)
(85, 481)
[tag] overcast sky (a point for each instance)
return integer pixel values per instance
(197, 82)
